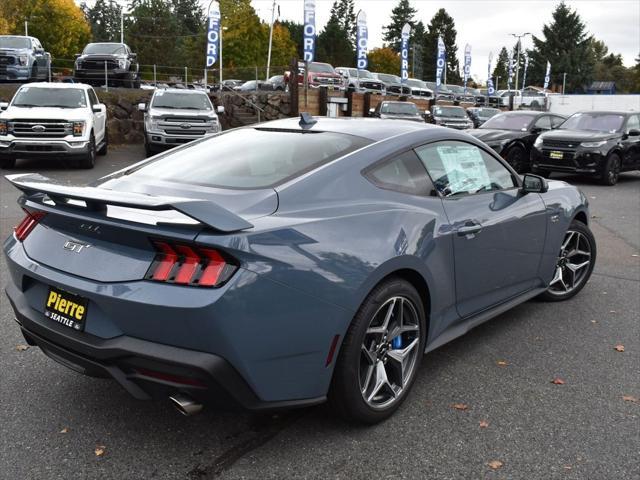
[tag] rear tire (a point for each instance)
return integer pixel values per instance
(517, 158)
(7, 163)
(368, 383)
(89, 161)
(575, 264)
(611, 171)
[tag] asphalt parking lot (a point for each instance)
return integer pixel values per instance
(499, 376)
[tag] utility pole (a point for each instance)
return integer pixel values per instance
(564, 81)
(273, 11)
(121, 25)
(497, 80)
(519, 37)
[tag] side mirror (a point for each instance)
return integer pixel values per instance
(220, 109)
(77, 55)
(372, 111)
(4, 106)
(534, 184)
(142, 107)
(634, 132)
(99, 108)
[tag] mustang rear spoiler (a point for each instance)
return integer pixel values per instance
(35, 186)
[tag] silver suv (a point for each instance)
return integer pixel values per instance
(23, 59)
(176, 116)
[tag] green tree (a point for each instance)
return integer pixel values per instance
(384, 60)
(502, 68)
(401, 14)
(152, 31)
(245, 40)
(635, 76)
(283, 48)
(416, 53)
(345, 12)
(104, 20)
(567, 46)
(441, 24)
(296, 31)
(333, 45)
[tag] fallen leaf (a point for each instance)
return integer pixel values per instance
(635, 255)
(568, 467)
(495, 464)
(64, 430)
(612, 311)
(619, 348)
(484, 424)
(593, 321)
(629, 398)
(99, 451)
(604, 293)
(502, 363)
(460, 406)
(557, 381)
(22, 348)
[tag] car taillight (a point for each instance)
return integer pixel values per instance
(28, 223)
(189, 265)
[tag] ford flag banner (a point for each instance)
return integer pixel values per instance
(213, 34)
(547, 76)
(309, 42)
(361, 40)
(467, 65)
(440, 62)
(404, 53)
(526, 66)
(490, 89)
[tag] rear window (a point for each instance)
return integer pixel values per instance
(250, 158)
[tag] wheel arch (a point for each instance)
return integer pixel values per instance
(581, 217)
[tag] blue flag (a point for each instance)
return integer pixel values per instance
(490, 89)
(526, 66)
(213, 34)
(362, 39)
(441, 62)
(547, 76)
(404, 53)
(467, 65)
(309, 40)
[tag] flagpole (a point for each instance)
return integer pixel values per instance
(273, 11)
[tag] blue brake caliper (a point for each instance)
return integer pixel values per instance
(396, 343)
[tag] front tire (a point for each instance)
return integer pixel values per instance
(34, 72)
(575, 263)
(7, 163)
(89, 161)
(517, 158)
(380, 354)
(611, 171)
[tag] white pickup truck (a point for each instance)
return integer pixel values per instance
(53, 121)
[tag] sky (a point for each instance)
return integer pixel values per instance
(487, 24)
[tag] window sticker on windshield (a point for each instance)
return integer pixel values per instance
(466, 170)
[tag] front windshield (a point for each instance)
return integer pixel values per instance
(50, 97)
(399, 108)
(178, 100)
(15, 42)
(365, 74)
(386, 77)
(321, 68)
(415, 83)
(249, 158)
(104, 48)
(512, 121)
(594, 122)
(457, 112)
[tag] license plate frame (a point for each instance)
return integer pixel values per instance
(65, 308)
(556, 155)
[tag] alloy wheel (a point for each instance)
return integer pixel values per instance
(614, 171)
(389, 352)
(573, 263)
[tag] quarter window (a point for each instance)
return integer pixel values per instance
(459, 168)
(543, 123)
(633, 123)
(403, 173)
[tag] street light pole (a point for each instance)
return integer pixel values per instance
(273, 11)
(26, 28)
(519, 37)
(497, 80)
(121, 25)
(564, 81)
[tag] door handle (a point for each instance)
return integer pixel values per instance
(469, 229)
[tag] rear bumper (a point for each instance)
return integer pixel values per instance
(29, 148)
(146, 370)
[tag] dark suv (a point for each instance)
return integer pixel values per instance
(115, 61)
(601, 144)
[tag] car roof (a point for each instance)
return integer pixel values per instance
(83, 86)
(610, 112)
(371, 128)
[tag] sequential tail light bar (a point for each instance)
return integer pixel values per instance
(28, 223)
(190, 265)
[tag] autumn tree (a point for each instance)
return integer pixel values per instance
(384, 60)
(296, 31)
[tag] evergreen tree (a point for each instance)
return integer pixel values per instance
(416, 54)
(104, 20)
(333, 45)
(502, 69)
(566, 44)
(151, 32)
(347, 16)
(401, 14)
(441, 24)
(296, 30)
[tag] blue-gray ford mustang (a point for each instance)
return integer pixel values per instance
(284, 264)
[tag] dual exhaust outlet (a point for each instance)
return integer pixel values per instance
(186, 405)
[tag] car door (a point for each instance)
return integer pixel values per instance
(497, 232)
(99, 118)
(631, 144)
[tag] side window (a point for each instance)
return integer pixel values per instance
(403, 173)
(556, 122)
(543, 123)
(93, 99)
(458, 168)
(633, 123)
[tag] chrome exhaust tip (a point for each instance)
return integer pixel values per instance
(185, 404)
